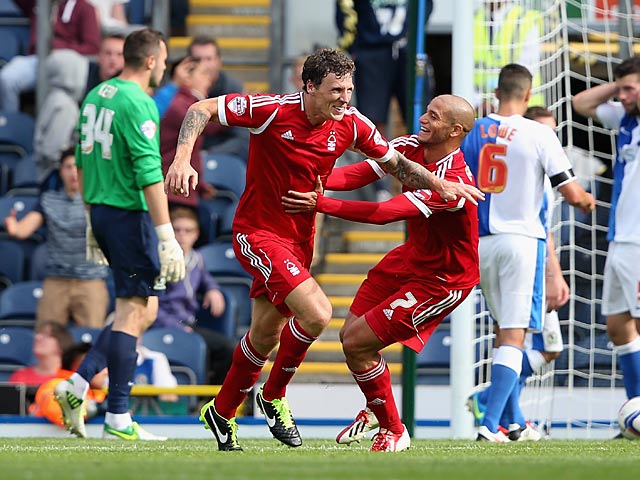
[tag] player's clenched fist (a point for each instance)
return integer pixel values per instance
(171, 255)
(93, 252)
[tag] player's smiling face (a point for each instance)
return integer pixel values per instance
(434, 123)
(330, 99)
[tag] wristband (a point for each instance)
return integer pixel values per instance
(165, 232)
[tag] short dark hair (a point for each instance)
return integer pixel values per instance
(629, 66)
(58, 331)
(69, 152)
(324, 61)
(536, 112)
(513, 82)
(203, 40)
(141, 44)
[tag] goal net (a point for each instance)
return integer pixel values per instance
(568, 45)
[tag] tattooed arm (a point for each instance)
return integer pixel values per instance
(181, 174)
(415, 176)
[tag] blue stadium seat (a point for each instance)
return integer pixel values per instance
(16, 133)
(220, 260)
(225, 231)
(434, 359)
(16, 350)
(239, 288)
(22, 204)
(38, 262)
(10, 45)
(227, 324)
(25, 173)
(226, 172)
(20, 300)
(187, 353)
(11, 262)
(84, 334)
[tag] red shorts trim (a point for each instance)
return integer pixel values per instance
(276, 265)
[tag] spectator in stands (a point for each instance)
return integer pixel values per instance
(231, 140)
(75, 27)
(178, 307)
(110, 60)
(50, 341)
(112, 17)
(195, 83)
(55, 129)
(73, 287)
(375, 34)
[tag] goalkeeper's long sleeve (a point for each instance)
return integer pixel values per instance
(397, 208)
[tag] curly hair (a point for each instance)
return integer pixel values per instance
(323, 62)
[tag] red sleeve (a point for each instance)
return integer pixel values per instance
(352, 176)
(398, 208)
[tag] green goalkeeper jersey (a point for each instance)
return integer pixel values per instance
(119, 149)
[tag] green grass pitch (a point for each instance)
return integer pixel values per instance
(67, 459)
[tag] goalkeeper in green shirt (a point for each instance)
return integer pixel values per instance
(128, 226)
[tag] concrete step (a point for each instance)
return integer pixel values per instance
(230, 7)
(220, 26)
(372, 241)
(254, 49)
(354, 263)
(340, 283)
(340, 304)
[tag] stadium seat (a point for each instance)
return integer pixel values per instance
(227, 324)
(226, 172)
(84, 334)
(20, 300)
(434, 359)
(187, 353)
(16, 133)
(11, 262)
(38, 262)
(225, 231)
(25, 173)
(22, 204)
(220, 260)
(9, 45)
(16, 350)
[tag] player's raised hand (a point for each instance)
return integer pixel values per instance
(302, 202)
(92, 250)
(172, 266)
(452, 190)
(180, 177)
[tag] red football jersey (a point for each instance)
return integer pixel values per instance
(287, 153)
(446, 243)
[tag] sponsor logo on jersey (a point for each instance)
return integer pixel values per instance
(107, 91)
(287, 135)
(388, 313)
(292, 267)
(332, 141)
(238, 105)
(149, 128)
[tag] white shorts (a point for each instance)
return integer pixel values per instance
(512, 279)
(550, 339)
(621, 288)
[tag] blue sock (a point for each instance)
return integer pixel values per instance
(96, 358)
(512, 411)
(527, 371)
(630, 366)
(503, 379)
(121, 359)
(482, 397)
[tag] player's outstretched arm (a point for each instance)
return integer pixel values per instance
(415, 176)
(181, 175)
(587, 101)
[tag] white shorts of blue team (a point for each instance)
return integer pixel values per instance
(512, 279)
(621, 288)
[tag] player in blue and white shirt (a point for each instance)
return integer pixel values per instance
(621, 289)
(509, 156)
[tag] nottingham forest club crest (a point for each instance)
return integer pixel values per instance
(332, 141)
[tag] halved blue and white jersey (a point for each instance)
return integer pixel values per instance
(624, 217)
(509, 157)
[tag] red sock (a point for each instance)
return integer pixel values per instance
(294, 344)
(242, 376)
(375, 383)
